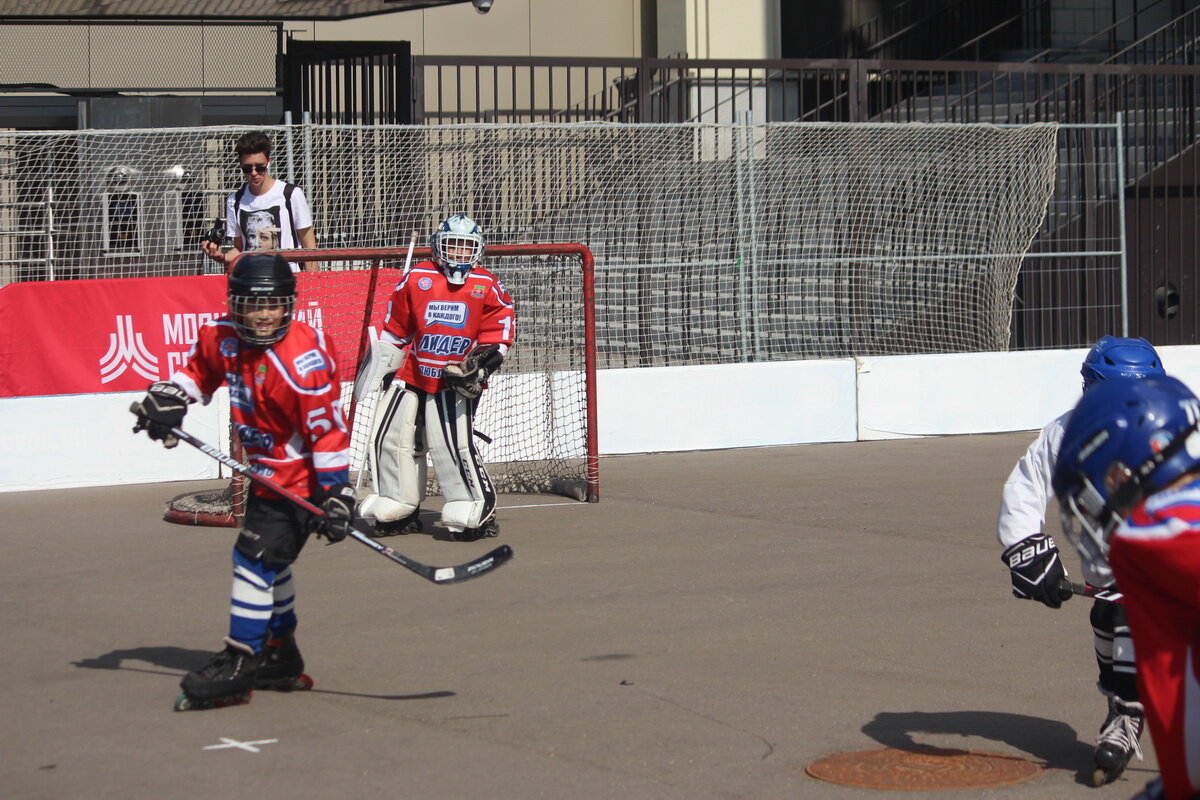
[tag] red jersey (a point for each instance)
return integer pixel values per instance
(442, 321)
(1155, 556)
(285, 401)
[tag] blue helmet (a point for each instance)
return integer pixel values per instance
(1126, 439)
(457, 245)
(1114, 357)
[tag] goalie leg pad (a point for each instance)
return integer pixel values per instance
(470, 498)
(399, 458)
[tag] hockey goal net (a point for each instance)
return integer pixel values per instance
(540, 410)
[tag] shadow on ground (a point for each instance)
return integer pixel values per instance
(180, 660)
(1055, 744)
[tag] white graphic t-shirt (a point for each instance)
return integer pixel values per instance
(268, 221)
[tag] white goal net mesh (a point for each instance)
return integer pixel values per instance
(713, 243)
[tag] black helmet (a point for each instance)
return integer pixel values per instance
(261, 282)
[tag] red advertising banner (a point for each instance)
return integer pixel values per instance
(120, 335)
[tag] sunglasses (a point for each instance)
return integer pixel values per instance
(260, 168)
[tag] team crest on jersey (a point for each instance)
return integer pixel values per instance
(425, 283)
(239, 394)
(253, 437)
(266, 470)
(260, 374)
(452, 315)
(477, 290)
(308, 362)
(229, 346)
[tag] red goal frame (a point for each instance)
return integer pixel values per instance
(201, 509)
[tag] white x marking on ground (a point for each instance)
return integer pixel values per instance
(248, 746)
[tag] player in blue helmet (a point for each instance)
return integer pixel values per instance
(1128, 481)
(1036, 569)
(1115, 357)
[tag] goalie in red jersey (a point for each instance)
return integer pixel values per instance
(284, 398)
(449, 325)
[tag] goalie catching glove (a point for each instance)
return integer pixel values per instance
(339, 512)
(1037, 570)
(160, 410)
(470, 375)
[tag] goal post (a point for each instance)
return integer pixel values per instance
(539, 412)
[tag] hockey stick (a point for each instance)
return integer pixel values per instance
(1083, 590)
(412, 242)
(361, 531)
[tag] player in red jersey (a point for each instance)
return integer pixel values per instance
(1128, 478)
(449, 325)
(285, 404)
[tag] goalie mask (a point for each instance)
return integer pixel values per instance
(1115, 357)
(457, 245)
(1127, 438)
(262, 296)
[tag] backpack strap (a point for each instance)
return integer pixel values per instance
(287, 201)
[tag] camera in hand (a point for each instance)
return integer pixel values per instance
(216, 234)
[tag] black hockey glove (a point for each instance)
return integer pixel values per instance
(468, 377)
(160, 410)
(1037, 570)
(339, 512)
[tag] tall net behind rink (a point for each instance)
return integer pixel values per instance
(719, 243)
(536, 421)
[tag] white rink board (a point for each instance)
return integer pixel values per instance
(936, 395)
(86, 440)
(78, 440)
(669, 409)
(941, 395)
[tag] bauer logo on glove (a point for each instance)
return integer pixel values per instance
(1036, 570)
(161, 410)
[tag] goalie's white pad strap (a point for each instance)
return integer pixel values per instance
(466, 487)
(382, 359)
(399, 458)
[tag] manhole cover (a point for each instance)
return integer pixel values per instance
(928, 768)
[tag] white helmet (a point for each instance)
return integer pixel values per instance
(457, 245)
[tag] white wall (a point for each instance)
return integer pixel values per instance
(85, 440)
(608, 29)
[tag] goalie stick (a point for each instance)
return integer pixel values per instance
(361, 531)
(1083, 590)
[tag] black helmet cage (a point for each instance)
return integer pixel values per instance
(258, 282)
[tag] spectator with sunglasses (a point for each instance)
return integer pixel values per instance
(259, 198)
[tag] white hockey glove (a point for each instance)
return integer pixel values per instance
(1037, 570)
(381, 360)
(470, 375)
(162, 409)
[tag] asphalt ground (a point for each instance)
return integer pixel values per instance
(716, 623)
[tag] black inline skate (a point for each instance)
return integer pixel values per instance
(1119, 740)
(410, 524)
(227, 680)
(283, 667)
(486, 530)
